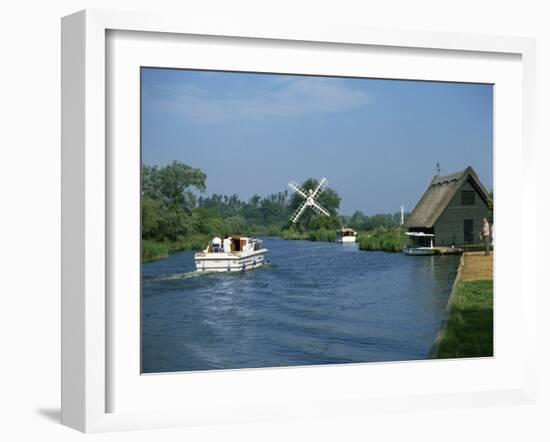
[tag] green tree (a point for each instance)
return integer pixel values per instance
(151, 211)
(358, 220)
(235, 225)
(167, 200)
(383, 220)
(173, 223)
(207, 221)
(172, 184)
(328, 199)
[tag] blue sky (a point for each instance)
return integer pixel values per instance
(377, 141)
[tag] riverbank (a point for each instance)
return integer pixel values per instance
(155, 250)
(467, 330)
(379, 239)
(382, 239)
(325, 235)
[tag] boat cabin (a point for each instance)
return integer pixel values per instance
(231, 254)
(346, 235)
(347, 232)
(234, 243)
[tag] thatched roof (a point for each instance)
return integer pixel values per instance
(438, 195)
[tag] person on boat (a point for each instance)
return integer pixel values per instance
(217, 245)
(486, 235)
(227, 244)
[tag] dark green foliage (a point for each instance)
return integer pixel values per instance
(469, 331)
(151, 214)
(325, 222)
(309, 220)
(206, 221)
(380, 238)
(167, 201)
(173, 218)
(293, 234)
(161, 222)
(357, 221)
(235, 224)
(171, 184)
(360, 221)
(151, 250)
(192, 242)
(327, 235)
(269, 211)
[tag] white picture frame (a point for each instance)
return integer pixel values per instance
(86, 205)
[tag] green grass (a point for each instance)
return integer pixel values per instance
(292, 234)
(469, 331)
(326, 235)
(153, 251)
(323, 235)
(192, 242)
(387, 240)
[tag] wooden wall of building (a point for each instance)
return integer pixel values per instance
(449, 228)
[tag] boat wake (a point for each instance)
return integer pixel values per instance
(180, 276)
(195, 274)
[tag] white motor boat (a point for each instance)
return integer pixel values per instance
(346, 235)
(422, 244)
(232, 254)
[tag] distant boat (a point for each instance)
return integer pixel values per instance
(346, 235)
(232, 254)
(422, 244)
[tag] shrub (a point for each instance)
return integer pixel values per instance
(388, 240)
(323, 235)
(294, 234)
(192, 242)
(151, 250)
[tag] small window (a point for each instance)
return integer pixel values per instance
(468, 198)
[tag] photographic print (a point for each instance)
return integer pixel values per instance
(297, 220)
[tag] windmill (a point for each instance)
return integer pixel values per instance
(309, 199)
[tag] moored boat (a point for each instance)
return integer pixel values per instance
(232, 254)
(346, 235)
(422, 244)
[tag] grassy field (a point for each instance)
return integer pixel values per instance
(469, 329)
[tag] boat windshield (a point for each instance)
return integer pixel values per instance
(347, 232)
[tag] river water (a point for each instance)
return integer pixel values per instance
(316, 303)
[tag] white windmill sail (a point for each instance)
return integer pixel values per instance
(317, 208)
(298, 212)
(295, 186)
(309, 199)
(322, 184)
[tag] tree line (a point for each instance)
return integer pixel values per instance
(171, 211)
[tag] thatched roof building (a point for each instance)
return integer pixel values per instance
(452, 208)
